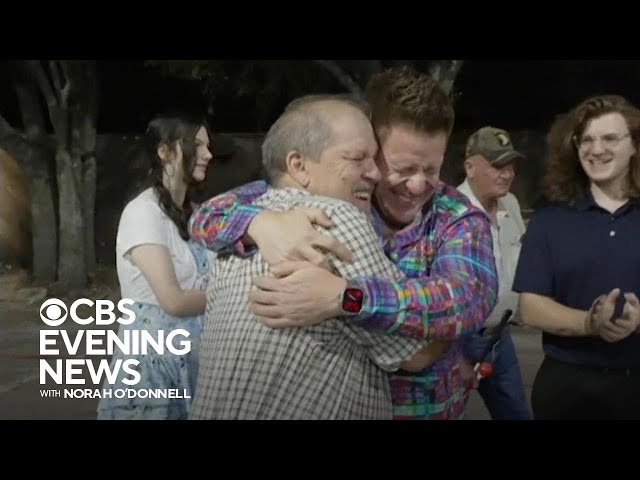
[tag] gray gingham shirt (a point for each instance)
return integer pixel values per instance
(328, 371)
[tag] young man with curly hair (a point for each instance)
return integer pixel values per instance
(579, 267)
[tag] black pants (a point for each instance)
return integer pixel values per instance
(565, 391)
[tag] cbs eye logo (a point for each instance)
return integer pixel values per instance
(53, 312)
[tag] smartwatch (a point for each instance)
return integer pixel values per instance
(352, 298)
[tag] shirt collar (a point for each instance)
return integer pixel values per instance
(378, 225)
(465, 188)
(408, 234)
(586, 202)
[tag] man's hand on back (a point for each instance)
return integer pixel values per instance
(303, 294)
(290, 236)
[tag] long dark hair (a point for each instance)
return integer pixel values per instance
(168, 129)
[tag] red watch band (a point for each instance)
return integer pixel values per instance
(352, 299)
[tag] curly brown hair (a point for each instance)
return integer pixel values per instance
(402, 95)
(565, 180)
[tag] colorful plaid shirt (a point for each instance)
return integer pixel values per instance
(448, 256)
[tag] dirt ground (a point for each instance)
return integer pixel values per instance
(17, 287)
(20, 326)
(21, 296)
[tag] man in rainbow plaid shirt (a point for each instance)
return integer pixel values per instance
(428, 229)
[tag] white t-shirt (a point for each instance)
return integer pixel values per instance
(143, 222)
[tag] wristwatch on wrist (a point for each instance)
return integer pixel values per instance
(352, 298)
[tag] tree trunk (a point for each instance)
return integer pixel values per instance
(37, 163)
(401, 63)
(62, 89)
(72, 271)
(363, 70)
(5, 128)
(88, 112)
(89, 176)
(69, 89)
(343, 77)
(445, 72)
(43, 229)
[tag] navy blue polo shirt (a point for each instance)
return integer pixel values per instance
(575, 254)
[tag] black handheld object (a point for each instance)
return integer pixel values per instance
(496, 332)
(506, 316)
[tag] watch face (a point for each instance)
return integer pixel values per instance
(352, 300)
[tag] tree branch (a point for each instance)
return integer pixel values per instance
(55, 106)
(445, 72)
(401, 63)
(435, 70)
(43, 83)
(455, 67)
(83, 106)
(66, 89)
(31, 111)
(55, 75)
(343, 77)
(91, 80)
(369, 68)
(5, 127)
(361, 71)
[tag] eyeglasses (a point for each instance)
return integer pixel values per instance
(608, 142)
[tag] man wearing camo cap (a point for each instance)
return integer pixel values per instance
(489, 165)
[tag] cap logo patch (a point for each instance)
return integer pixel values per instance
(502, 139)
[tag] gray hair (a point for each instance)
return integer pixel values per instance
(304, 127)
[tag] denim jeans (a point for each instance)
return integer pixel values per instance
(502, 392)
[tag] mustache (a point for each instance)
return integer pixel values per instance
(363, 189)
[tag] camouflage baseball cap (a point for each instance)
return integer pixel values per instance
(493, 144)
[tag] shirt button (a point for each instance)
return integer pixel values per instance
(612, 233)
(394, 256)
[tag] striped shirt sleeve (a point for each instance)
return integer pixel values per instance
(220, 223)
(355, 231)
(454, 299)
